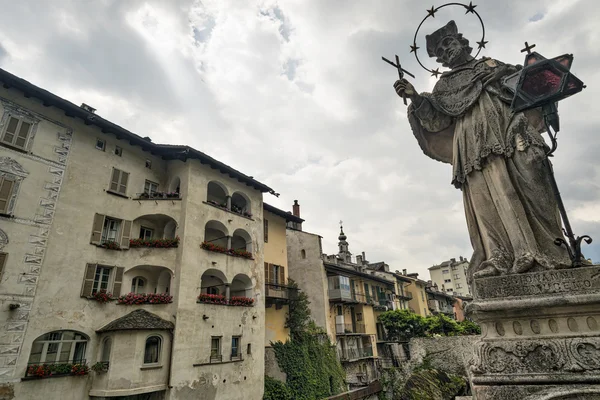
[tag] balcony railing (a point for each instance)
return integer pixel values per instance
(59, 368)
(350, 328)
(158, 196)
(276, 290)
(405, 296)
(355, 353)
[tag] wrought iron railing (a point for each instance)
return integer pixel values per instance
(355, 353)
(354, 328)
(158, 196)
(279, 290)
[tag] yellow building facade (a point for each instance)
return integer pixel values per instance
(415, 290)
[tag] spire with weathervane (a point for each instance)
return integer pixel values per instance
(344, 254)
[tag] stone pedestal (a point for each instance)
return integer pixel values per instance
(540, 336)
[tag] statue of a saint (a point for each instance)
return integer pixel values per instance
(497, 156)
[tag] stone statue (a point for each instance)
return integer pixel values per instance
(497, 156)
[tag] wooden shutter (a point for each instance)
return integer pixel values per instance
(6, 188)
(115, 179)
(21, 140)
(266, 229)
(97, 229)
(118, 281)
(125, 233)
(88, 280)
(267, 272)
(123, 182)
(281, 275)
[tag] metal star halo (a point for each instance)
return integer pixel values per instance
(432, 11)
(470, 8)
(413, 48)
(435, 72)
(482, 43)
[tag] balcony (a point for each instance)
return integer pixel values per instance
(352, 354)
(159, 203)
(405, 296)
(278, 294)
(350, 329)
(433, 305)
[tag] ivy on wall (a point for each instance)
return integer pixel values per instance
(309, 359)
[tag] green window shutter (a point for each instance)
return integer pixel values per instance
(125, 234)
(97, 227)
(118, 281)
(88, 280)
(6, 188)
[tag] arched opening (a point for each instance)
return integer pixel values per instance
(240, 203)
(175, 186)
(216, 194)
(148, 279)
(154, 226)
(216, 233)
(59, 347)
(303, 253)
(241, 286)
(241, 240)
(152, 350)
(213, 281)
(138, 285)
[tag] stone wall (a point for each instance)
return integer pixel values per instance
(450, 354)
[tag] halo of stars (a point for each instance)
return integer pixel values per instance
(470, 8)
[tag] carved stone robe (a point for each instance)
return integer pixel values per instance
(497, 159)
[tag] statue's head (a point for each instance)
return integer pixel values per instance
(447, 45)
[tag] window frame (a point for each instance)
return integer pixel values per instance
(143, 233)
(101, 148)
(16, 134)
(149, 190)
(135, 284)
(216, 353)
(117, 231)
(158, 352)
(118, 182)
(115, 280)
(118, 151)
(97, 285)
(104, 353)
(238, 354)
(59, 342)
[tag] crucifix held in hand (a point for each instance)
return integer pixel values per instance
(401, 71)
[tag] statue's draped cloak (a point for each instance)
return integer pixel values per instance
(498, 160)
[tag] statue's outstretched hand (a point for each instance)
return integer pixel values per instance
(405, 89)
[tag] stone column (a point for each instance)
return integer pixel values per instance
(228, 242)
(228, 202)
(227, 291)
(540, 335)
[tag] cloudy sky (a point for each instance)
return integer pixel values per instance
(294, 93)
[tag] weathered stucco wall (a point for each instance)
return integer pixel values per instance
(450, 354)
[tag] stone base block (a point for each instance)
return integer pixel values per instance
(540, 336)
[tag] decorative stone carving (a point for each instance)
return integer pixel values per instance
(12, 167)
(520, 356)
(3, 239)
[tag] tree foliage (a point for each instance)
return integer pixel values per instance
(404, 324)
(308, 358)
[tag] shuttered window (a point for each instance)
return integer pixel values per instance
(108, 229)
(16, 132)
(274, 274)
(266, 229)
(118, 181)
(3, 258)
(6, 190)
(102, 277)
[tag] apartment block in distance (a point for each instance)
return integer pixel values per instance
(130, 270)
(451, 276)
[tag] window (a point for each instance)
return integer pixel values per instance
(101, 144)
(456, 276)
(152, 350)
(148, 164)
(266, 230)
(150, 187)
(249, 348)
(447, 280)
(359, 317)
(449, 290)
(445, 271)
(3, 257)
(59, 347)
(212, 290)
(118, 151)
(146, 233)
(303, 253)
(106, 229)
(458, 286)
(118, 181)
(16, 132)
(110, 230)
(274, 274)
(422, 296)
(11, 175)
(235, 348)
(102, 277)
(340, 310)
(106, 346)
(138, 284)
(215, 349)
(6, 192)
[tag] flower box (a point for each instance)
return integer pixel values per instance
(110, 245)
(154, 243)
(102, 296)
(46, 370)
(212, 298)
(241, 301)
(100, 367)
(217, 204)
(145, 298)
(220, 249)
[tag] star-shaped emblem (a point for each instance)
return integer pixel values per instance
(413, 48)
(435, 72)
(431, 12)
(470, 8)
(482, 43)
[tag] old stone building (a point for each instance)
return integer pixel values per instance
(142, 260)
(451, 276)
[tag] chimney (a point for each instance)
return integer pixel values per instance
(88, 108)
(404, 272)
(453, 260)
(363, 257)
(359, 259)
(296, 209)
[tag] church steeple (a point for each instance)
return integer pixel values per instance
(344, 254)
